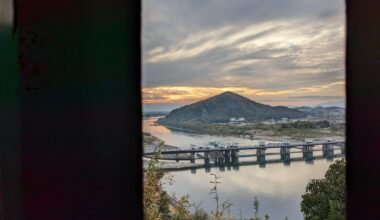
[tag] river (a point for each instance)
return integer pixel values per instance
(278, 187)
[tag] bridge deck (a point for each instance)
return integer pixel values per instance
(267, 146)
(180, 166)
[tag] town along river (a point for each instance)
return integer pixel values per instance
(278, 187)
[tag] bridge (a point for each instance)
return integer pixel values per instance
(229, 155)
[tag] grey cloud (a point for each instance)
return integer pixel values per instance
(180, 18)
(211, 13)
(167, 22)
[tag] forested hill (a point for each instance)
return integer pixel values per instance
(222, 107)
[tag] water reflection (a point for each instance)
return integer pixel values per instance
(278, 187)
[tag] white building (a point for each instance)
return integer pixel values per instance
(284, 120)
(237, 120)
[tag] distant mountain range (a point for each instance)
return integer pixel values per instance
(322, 111)
(340, 103)
(222, 107)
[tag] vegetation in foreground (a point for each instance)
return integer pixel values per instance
(324, 198)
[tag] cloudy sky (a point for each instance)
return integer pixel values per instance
(278, 52)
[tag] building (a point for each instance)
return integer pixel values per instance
(236, 120)
(284, 120)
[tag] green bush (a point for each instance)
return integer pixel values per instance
(326, 198)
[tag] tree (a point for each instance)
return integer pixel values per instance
(153, 187)
(326, 198)
(156, 201)
(266, 217)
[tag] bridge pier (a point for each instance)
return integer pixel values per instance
(218, 158)
(227, 156)
(206, 158)
(235, 159)
(192, 157)
(235, 153)
(307, 152)
(343, 148)
(328, 150)
(213, 157)
(260, 152)
(221, 158)
(285, 153)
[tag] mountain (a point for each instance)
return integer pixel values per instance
(322, 111)
(222, 107)
(340, 103)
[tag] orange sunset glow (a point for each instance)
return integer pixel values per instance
(189, 94)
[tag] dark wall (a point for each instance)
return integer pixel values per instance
(79, 97)
(10, 127)
(70, 121)
(363, 109)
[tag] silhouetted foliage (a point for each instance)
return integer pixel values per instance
(153, 188)
(156, 200)
(199, 213)
(224, 212)
(181, 211)
(326, 198)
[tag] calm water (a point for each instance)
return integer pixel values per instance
(277, 187)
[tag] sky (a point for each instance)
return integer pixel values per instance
(277, 52)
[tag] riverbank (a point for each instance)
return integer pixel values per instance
(258, 131)
(150, 144)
